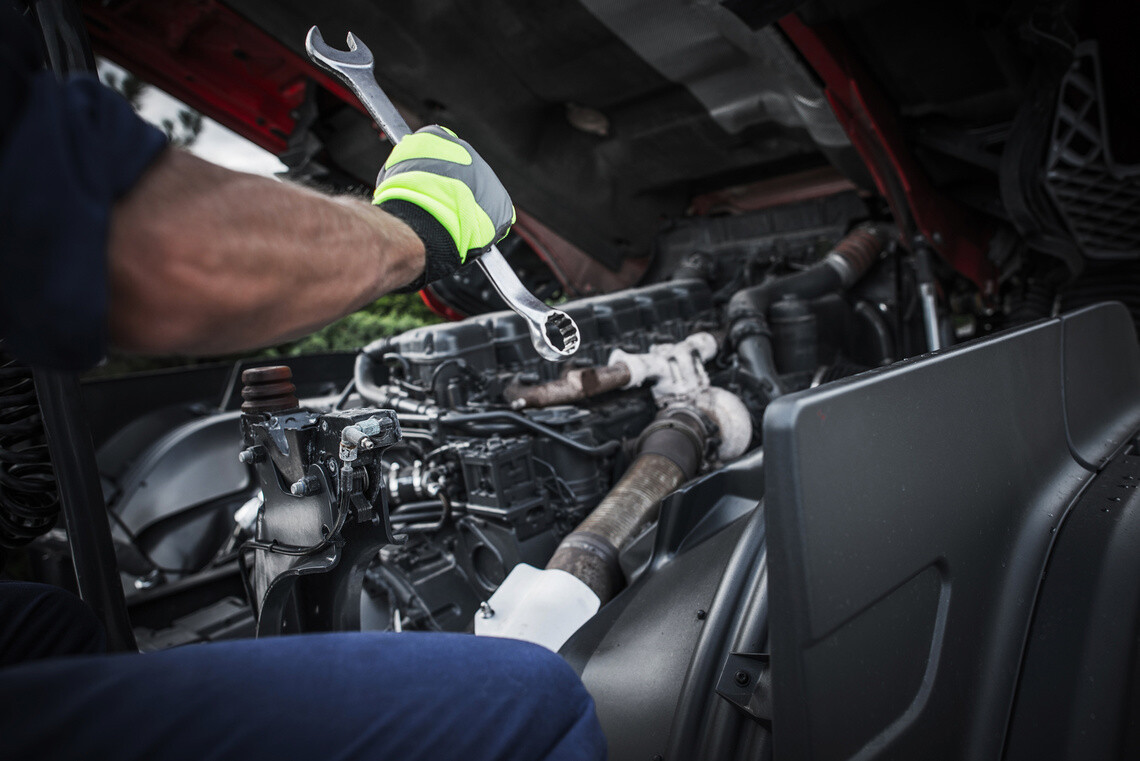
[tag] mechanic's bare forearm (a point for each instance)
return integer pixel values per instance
(204, 260)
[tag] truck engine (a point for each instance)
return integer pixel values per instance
(456, 454)
(844, 461)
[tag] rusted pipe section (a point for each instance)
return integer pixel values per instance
(670, 453)
(574, 386)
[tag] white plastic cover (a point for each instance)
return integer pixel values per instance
(540, 606)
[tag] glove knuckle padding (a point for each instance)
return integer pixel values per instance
(445, 176)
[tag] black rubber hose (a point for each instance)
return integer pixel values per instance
(822, 277)
(747, 311)
(29, 498)
(364, 371)
(670, 453)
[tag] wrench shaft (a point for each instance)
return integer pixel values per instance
(380, 107)
(519, 299)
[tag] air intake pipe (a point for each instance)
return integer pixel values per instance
(747, 311)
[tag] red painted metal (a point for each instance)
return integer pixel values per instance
(578, 272)
(219, 63)
(439, 306)
(764, 194)
(213, 60)
(955, 232)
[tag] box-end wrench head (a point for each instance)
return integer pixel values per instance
(553, 333)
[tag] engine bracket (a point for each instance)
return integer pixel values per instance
(746, 682)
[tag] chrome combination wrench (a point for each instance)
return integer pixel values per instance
(553, 332)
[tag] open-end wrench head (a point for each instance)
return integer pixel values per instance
(357, 56)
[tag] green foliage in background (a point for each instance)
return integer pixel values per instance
(388, 316)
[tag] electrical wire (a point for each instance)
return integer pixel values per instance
(347, 392)
(567, 493)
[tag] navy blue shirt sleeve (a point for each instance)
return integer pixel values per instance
(68, 151)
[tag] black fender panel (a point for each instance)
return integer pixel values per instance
(911, 512)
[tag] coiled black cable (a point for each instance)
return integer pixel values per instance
(29, 499)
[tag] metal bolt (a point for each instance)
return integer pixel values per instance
(251, 455)
(367, 443)
(305, 487)
(486, 610)
(701, 615)
(742, 678)
(150, 581)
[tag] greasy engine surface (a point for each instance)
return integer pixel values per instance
(501, 454)
(520, 489)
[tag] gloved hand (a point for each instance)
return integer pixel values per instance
(447, 194)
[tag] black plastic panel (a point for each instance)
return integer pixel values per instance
(1102, 403)
(112, 403)
(190, 466)
(910, 515)
(1078, 697)
(636, 655)
(638, 665)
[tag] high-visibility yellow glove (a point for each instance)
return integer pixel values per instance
(441, 188)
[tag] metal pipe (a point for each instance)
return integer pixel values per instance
(927, 296)
(574, 386)
(670, 453)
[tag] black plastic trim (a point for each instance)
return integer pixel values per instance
(911, 513)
